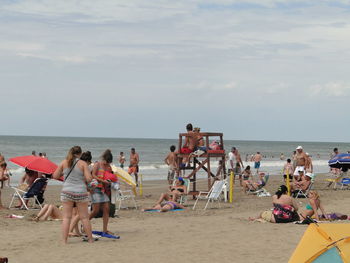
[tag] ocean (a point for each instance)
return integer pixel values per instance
(153, 151)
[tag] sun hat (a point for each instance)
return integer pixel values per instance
(309, 175)
(299, 147)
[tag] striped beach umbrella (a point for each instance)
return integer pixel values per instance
(341, 161)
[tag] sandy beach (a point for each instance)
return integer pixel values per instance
(217, 234)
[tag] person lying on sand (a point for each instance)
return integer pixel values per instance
(167, 206)
(284, 211)
(52, 212)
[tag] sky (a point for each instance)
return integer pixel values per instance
(254, 70)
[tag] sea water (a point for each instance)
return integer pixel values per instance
(153, 152)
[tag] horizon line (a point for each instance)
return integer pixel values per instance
(152, 138)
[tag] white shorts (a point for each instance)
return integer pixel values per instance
(297, 169)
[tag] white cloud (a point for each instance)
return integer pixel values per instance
(209, 87)
(331, 89)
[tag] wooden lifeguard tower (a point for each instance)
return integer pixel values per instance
(202, 162)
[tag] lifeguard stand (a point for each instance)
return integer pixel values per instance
(202, 161)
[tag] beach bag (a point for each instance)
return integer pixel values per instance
(111, 211)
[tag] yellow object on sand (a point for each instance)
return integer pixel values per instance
(141, 187)
(123, 175)
(323, 243)
(232, 181)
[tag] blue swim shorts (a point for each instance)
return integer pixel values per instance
(257, 165)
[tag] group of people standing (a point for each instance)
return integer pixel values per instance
(84, 181)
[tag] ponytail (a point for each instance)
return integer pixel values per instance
(107, 156)
(71, 155)
(281, 190)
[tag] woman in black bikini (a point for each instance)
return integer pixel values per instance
(171, 197)
(169, 205)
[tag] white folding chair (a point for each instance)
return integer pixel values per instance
(37, 188)
(118, 195)
(212, 195)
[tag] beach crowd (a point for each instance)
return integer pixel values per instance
(88, 186)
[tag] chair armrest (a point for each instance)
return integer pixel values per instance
(19, 190)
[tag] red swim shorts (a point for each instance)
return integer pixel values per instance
(132, 170)
(185, 150)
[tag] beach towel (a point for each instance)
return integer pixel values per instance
(103, 234)
(157, 210)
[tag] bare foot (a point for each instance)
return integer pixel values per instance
(72, 234)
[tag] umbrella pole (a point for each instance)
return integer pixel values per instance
(232, 181)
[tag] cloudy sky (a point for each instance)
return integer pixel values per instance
(256, 70)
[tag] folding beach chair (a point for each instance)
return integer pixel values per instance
(260, 191)
(118, 195)
(345, 182)
(183, 198)
(36, 192)
(212, 195)
(187, 183)
(303, 194)
(335, 181)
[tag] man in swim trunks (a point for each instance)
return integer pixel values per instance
(189, 145)
(190, 141)
(257, 160)
(170, 160)
(301, 161)
(134, 164)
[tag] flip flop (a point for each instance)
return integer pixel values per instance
(94, 237)
(104, 234)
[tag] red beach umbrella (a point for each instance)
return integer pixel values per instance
(35, 163)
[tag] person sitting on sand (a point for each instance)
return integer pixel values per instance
(52, 212)
(247, 179)
(258, 184)
(175, 192)
(313, 206)
(284, 211)
(167, 206)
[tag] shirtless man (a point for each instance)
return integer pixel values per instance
(301, 161)
(170, 160)
(309, 168)
(134, 164)
(257, 159)
(190, 141)
(303, 184)
(2, 158)
(189, 145)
